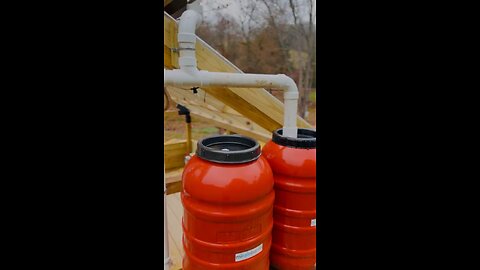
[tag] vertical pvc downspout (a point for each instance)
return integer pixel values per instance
(187, 39)
(290, 110)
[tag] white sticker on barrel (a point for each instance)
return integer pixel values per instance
(248, 254)
(313, 223)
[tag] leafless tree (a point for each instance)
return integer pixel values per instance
(270, 37)
(249, 23)
(303, 15)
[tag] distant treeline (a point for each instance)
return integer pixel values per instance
(278, 38)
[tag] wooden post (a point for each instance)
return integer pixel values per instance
(189, 137)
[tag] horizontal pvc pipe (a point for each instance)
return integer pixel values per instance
(180, 78)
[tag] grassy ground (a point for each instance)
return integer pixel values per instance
(313, 97)
(175, 126)
(312, 108)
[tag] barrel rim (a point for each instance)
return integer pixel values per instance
(306, 139)
(206, 152)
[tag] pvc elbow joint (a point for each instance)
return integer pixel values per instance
(291, 89)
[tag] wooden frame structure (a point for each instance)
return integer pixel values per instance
(250, 112)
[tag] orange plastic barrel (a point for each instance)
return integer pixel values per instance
(293, 162)
(228, 206)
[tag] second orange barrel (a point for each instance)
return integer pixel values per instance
(293, 162)
(228, 206)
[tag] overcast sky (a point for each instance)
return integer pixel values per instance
(230, 7)
(211, 7)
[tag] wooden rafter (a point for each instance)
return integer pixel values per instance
(208, 108)
(174, 154)
(166, 2)
(173, 179)
(174, 7)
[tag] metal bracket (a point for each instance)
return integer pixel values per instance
(177, 50)
(186, 49)
(195, 90)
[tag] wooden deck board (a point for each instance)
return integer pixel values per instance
(175, 213)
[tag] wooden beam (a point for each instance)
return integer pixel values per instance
(189, 141)
(170, 114)
(173, 179)
(247, 109)
(167, 58)
(170, 38)
(174, 187)
(175, 151)
(174, 140)
(174, 7)
(166, 2)
(229, 122)
(209, 106)
(222, 124)
(174, 154)
(202, 98)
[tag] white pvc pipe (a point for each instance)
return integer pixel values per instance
(180, 78)
(190, 76)
(189, 21)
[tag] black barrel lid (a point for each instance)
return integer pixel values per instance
(230, 149)
(306, 139)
